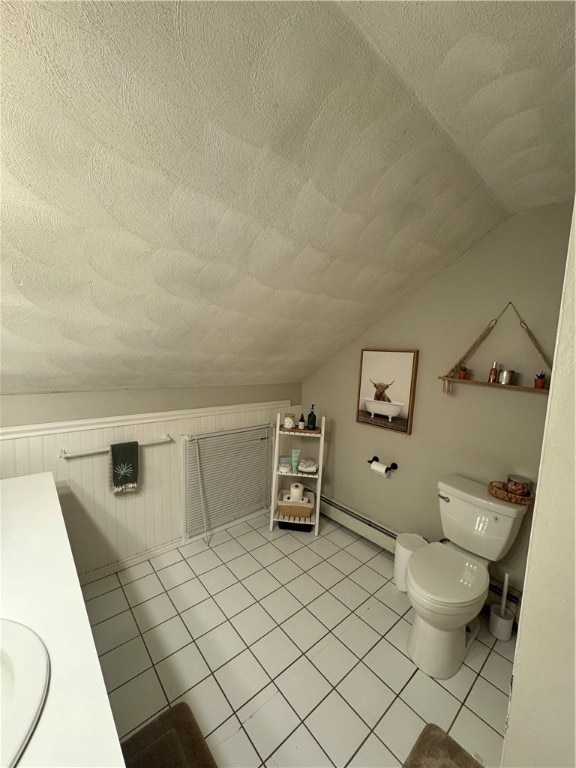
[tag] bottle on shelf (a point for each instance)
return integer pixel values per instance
(493, 375)
(312, 419)
(302, 422)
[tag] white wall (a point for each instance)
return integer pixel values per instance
(65, 406)
(479, 432)
(103, 528)
(541, 716)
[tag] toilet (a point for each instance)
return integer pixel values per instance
(447, 583)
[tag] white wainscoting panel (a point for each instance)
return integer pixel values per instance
(105, 528)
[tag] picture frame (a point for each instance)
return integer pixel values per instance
(386, 389)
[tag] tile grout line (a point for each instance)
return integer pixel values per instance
(225, 563)
(178, 547)
(478, 675)
(328, 632)
(212, 673)
(147, 651)
(379, 720)
(302, 654)
(372, 732)
(333, 687)
(192, 640)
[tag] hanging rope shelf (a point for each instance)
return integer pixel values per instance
(451, 376)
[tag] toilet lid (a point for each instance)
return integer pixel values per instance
(446, 575)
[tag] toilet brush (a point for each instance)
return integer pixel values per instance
(501, 619)
(504, 595)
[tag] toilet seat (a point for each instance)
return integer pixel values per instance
(422, 602)
(447, 578)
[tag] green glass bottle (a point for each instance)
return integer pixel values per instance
(311, 419)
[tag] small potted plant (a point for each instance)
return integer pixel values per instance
(540, 380)
(462, 372)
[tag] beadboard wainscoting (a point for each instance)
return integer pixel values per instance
(105, 529)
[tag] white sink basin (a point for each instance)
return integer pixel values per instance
(25, 673)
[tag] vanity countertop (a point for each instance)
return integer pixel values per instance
(40, 588)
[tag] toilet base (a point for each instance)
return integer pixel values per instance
(439, 653)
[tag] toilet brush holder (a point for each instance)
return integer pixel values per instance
(500, 625)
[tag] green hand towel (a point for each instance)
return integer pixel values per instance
(124, 467)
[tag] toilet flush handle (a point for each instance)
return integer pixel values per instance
(444, 498)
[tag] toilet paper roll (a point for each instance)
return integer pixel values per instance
(296, 492)
(376, 466)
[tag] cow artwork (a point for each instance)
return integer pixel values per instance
(387, 388)
(380, 393)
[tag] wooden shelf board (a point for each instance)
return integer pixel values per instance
(301, 432)
(496, 386)
(280, 518)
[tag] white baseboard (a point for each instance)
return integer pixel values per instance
(126, 562)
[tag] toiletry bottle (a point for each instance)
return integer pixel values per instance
(493, 375)
(301, 423)
(312, 419)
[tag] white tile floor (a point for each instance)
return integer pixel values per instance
(290, 651)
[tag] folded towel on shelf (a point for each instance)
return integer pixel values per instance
(308, 466)
(124, 458)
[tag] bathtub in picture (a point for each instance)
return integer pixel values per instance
(381, 408)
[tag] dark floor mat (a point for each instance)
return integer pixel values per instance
(172, 740)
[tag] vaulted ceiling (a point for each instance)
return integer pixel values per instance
(221, 193)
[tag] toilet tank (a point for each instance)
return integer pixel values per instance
(475, 520)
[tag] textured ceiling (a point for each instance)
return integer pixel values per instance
(227, 193)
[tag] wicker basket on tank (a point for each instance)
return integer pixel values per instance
(499, 491)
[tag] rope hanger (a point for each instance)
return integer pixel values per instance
(484, 335)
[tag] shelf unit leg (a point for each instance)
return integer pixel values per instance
(274, 475)
(319, 481)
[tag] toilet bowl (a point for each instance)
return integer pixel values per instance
(447, 589)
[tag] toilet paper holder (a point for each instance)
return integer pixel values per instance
(387, 469)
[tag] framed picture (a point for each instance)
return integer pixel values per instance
(387, 387)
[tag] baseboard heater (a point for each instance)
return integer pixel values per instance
(359, 523)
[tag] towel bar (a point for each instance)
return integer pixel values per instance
(64, 455)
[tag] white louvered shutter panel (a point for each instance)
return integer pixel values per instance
(232, 477)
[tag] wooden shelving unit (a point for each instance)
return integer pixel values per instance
(512, 387)
(285, 438)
